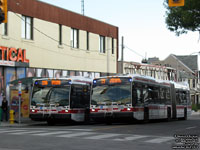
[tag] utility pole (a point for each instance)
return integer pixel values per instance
(122, 55)
(82, 7)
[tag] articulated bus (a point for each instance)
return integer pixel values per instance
(63, 99)
(136, 97)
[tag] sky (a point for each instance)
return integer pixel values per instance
(141, 23)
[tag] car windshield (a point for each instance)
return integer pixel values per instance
(51, 95)
(111, 94)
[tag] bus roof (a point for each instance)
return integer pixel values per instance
(73, 79)
(142, 78)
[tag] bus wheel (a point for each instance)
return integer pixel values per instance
(146, 114)
(50, 122)
(185, 114)
(169, 116)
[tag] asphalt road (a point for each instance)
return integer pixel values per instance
(149, 136)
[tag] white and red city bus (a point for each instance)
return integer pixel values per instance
(63, 99)
(137, 97)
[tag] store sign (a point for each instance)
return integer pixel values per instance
(10, 56)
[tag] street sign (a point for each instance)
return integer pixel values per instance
(175, 3)
(20, 88)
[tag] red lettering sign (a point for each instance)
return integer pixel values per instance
(13, 54)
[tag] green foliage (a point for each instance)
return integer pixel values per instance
(195, 107)
(183, 19)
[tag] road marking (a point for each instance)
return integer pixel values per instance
(160, 140)
(51, 133)
(109, 128)
(102, 136)
(76, 134)
(80, 129)
(191, 127)
(131, 138)
(25, 132)
(7, 131)
(9, 149)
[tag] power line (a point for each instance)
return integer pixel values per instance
(134, 51)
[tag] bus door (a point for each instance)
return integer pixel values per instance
(173, 101)
(138, 96)
(80, 102)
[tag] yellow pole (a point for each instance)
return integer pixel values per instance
(12, 117)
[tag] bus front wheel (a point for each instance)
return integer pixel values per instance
(146, 114)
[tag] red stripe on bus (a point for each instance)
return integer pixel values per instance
(180, 107)
(138, 109)
(157, 107)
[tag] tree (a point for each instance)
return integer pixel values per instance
(183, 19)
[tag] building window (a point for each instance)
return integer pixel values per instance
(60, 34)
(27, 28)
(113, 45)
(87, 38)
(75, 38)
(102, 44)
(193, 83)
(5, 29)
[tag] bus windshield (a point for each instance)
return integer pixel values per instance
(51, 95)
(111, 94)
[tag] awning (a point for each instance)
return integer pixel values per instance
(25, 81)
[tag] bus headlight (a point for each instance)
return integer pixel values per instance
(66, 110)
(33, 110)
(93, 109)
(128, 109)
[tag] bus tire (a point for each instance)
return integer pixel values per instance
(169, 114)
(185, 114)
(146, 114)
(50, 122)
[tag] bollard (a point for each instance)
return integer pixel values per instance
(12, 117)
(0, 115)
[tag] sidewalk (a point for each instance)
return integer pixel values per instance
(195, 113)
(24, 122)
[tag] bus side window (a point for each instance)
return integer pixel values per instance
(168, 96)
(146, 95)
(188, 98)
(162, 97)
(137, 94)
(177, 97)
(184, 99)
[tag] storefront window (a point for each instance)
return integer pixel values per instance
(10, 74)
(21, 73)
(30, 72)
